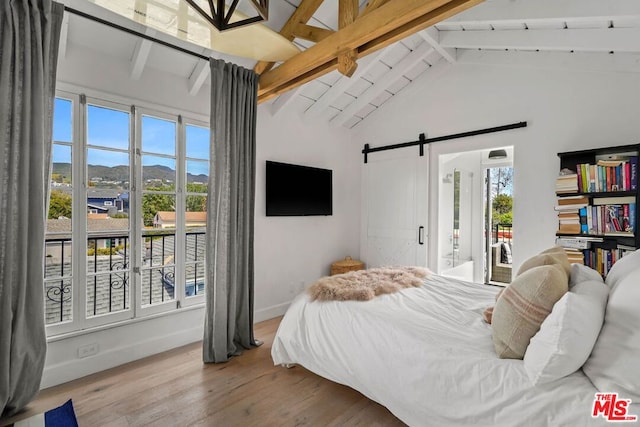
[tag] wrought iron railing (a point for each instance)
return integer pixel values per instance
(108, 272)
(502, 233)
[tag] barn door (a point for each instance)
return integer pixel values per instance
(394, 208)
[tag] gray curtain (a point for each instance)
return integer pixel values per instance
(229, 294)
(29, 36)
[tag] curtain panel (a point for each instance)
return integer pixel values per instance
(29, 37)
(229, 262)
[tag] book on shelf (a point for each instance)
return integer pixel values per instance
(573, 242)
(573, 200)
(615, 174)
(602, 260)
(567, 183)
(610, 220)
(615, 200)
(569, 228)
(573, 207)
(575, 256)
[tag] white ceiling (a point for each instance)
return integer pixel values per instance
(588, 35)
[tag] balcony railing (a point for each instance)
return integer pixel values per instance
(108, 272)
(502, 233)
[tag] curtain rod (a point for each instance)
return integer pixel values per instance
(422, 140)
(134, 32)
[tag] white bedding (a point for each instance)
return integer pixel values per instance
(427, 355)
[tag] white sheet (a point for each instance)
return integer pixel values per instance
(427, 355)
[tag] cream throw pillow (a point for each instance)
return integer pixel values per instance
(523, 306)
(553, 255)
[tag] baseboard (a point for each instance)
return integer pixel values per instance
(270, 312)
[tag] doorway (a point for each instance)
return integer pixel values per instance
(475, 220)
(498, 215)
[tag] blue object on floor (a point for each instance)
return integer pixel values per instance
(62, 416)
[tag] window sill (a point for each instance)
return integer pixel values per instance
(67, 335)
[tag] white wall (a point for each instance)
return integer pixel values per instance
(565, 111)
(289, 252)
(292, 252)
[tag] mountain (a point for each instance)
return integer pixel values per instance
(121, 173)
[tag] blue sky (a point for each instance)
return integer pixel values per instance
(110, 129)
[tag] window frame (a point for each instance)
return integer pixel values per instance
(80, 321)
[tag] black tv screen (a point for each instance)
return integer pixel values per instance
(295, 190)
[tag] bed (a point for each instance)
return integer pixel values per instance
(427, 355)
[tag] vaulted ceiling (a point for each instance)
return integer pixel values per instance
(582, 35)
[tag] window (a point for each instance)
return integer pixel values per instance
(129, 250)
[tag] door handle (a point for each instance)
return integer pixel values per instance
(421, 235)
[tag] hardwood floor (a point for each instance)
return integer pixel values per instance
(176, 389)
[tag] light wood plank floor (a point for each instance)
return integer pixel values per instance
(176, 389)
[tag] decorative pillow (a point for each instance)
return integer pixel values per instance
(582, 273)
(554, 255)
(614, 364)
(488, 312)
(567, 335)
(523, 306)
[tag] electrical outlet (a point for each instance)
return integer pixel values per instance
(87, 350)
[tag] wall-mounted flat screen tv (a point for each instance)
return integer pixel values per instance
(295, 190)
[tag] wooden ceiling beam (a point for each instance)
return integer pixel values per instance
(441, 13)
(303, 13)
(390, 22)
(347, 14)
(311, 33)
(372, 5)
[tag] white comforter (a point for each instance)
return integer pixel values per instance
(427, 355)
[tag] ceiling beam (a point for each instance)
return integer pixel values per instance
(198, 76)
(280, 103)
(64, 36)
(372, 5)
(386, 80)
(394, 20)
(141, 55)
(578, 61)
(432, 74)
(347, 14)
(302, 14)
(431, 36)
(343, 85)
(517, 11)
(584, 40)
(311, 33)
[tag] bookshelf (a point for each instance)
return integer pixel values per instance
(597, 198)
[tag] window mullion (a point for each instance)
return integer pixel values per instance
(181, 208)
(134, 213)
(79, 229)
(137, 224)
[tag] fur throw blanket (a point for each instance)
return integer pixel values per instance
(363, 285)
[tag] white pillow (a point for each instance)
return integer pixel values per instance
(622, 268)
(580, 273)
(614, 364)
(567, 335)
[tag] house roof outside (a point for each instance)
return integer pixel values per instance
(97, 224)
(167, 216)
